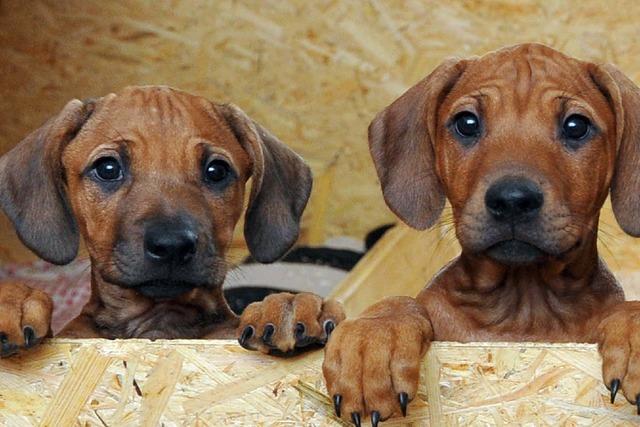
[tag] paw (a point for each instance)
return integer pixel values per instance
(619, 346)
(372, 364)
(285, 323)
(25, 317)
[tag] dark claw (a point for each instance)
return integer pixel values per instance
(29, 337)
(638, 403)
(300, 330)
(329, 326)
(269, 330)
(337, 401)
(615, 386)
(246, 334)
(403, 398)
(355, 417)
(301, 339)
(375, 418)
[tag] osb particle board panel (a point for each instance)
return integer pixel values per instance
(212, 383)
(315, 73)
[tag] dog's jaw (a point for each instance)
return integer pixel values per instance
(521, 252)
(156, 281)
(515, 252)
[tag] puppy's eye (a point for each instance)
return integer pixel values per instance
(216, 171)
(576, 127)
(108, 169)
(467, 124)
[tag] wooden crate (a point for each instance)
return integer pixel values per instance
(213, 383)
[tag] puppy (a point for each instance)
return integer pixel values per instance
(525, 143)
(153, 179)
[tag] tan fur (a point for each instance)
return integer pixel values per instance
(163, 137)
(23, 307)
(521, 94)
(284, 311)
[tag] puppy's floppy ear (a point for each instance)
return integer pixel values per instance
(281, 188)
(624, 97)
(32, 190)
(401, 139)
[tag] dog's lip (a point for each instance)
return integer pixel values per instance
(164, 289)
(515, 252)
(498, 250)
(552, 251)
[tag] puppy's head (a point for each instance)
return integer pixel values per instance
(153, 179)
(525, 143)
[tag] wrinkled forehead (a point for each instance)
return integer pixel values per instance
(158, 120)
(160, 112)
(529, 77)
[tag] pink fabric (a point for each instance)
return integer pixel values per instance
(69, 286)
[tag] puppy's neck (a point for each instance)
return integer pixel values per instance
(118, 312)
(559, 299)
(571, 273)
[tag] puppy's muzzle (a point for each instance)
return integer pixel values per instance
(514, 202)
(171, 255)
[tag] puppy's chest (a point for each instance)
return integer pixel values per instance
(161, 321)
(516, 312)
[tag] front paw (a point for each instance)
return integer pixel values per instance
(25, 317)
(285, 323)
(372, 364)
(619, 344)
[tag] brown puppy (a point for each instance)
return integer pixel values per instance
(525, 143)
(153, 180)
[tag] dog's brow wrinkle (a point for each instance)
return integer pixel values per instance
(108, 123)
(524, 77)
(479, 94)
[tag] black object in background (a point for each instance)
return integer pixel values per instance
(343, 259)
(240, 298)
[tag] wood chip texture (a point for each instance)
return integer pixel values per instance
(213, 383)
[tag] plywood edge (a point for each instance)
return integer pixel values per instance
(216, 381)
(134, 343)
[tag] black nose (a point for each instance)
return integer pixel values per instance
(170, 242)
(514, 199)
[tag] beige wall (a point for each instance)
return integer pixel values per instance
(313, 72)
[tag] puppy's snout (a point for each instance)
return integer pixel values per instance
(170, 242)
(514, 199)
